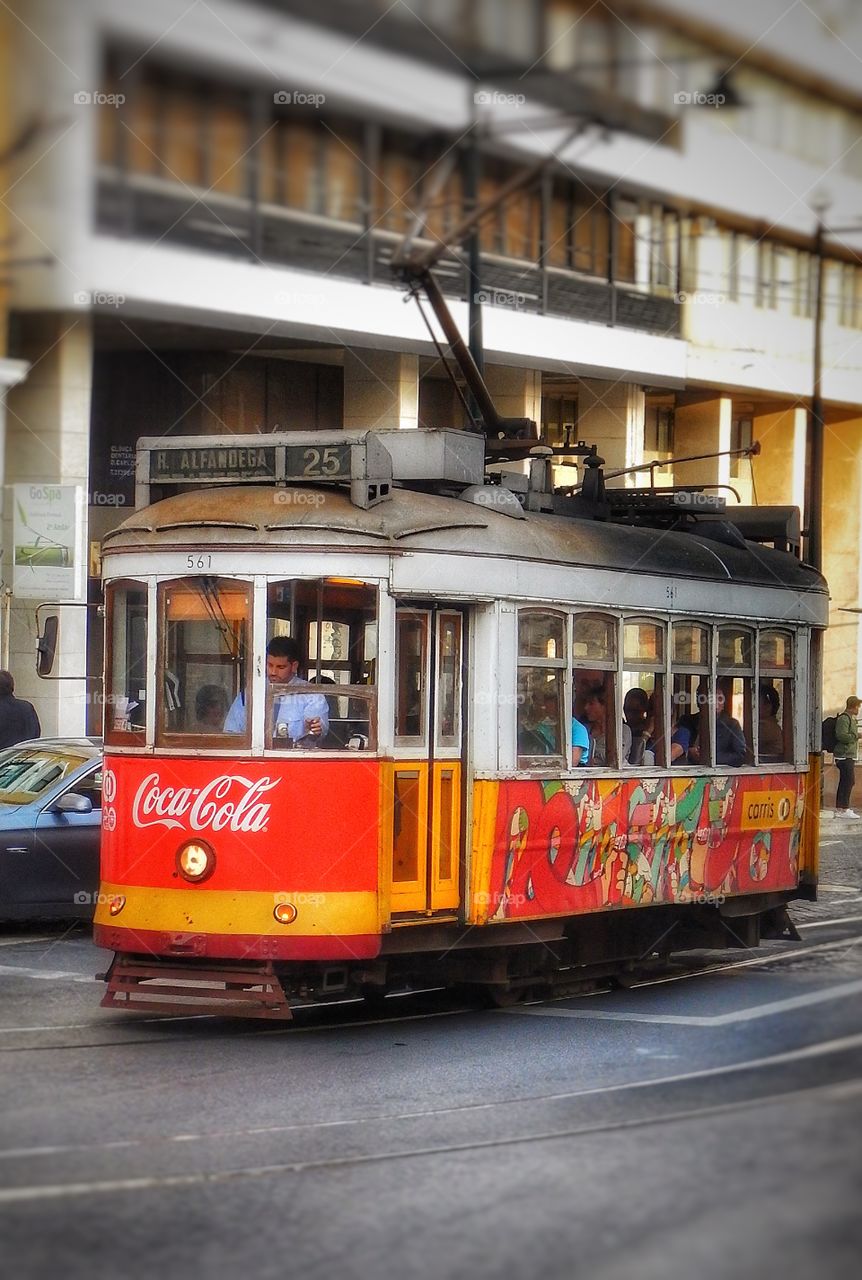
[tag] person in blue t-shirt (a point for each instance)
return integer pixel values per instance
(580, 742)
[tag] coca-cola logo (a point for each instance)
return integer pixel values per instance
(228, 801)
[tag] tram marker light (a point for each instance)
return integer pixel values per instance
(285, 912)
(195, 860)
(117, 903)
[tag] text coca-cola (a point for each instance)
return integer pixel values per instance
(229, 801)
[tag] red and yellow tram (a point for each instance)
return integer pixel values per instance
(439, 832)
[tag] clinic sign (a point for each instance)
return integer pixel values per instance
(47, 536)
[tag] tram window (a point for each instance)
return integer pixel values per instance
(775, 741)
(734, 649)
(690, 739)
(594, 647)
(411, 693)
(733, 697)
(127, 674)
(540, 714)
(542, 664)
(203, 643)
(449, 681)
(643, 739)
(334, 622)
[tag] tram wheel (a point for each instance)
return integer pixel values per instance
(373, 996)
(500, 996)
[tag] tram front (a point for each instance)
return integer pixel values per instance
(241, 784)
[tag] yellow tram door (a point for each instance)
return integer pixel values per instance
(425, 783)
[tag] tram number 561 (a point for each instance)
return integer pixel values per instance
(199, 562)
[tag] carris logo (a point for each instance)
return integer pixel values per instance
(214, 806)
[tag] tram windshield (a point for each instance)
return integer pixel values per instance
(127, 676)
(320, 649)
(203, 647)
(328, 701)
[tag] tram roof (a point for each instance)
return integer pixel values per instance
(260, 518)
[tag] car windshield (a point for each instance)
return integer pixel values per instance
(27, 774)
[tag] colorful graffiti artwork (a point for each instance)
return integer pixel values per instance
(569, 846)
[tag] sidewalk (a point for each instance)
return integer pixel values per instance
(833, 824)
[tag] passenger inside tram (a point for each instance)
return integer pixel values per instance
(211, 707)
(731, 747)
(770, 733)
(297, 717)
(637, 728)
(595, 717)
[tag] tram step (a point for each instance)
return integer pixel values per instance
(250, 992)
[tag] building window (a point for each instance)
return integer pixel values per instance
(559, 418)
(658, 429)
(850, 302)
(625, 241)
(579, 229)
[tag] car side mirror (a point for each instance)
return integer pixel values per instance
(72, 802)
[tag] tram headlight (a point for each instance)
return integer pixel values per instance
(285, 912)
(195, 860)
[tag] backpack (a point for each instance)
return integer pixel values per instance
(827, 733)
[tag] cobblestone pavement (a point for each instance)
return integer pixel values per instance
(840, 888)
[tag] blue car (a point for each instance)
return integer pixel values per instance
(50, 825)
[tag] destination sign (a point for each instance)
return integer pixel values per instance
(317, 462)
(231, 462)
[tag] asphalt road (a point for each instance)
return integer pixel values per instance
(702, 1124)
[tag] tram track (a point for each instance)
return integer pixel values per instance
(130, 1024)
(837, 1091)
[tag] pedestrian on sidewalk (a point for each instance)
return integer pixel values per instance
(846, 738)
(18, 719)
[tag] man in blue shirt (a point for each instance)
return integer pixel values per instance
(304, 716)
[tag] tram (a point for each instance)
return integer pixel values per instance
(440, 828)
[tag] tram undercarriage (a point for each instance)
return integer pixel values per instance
(542, 958)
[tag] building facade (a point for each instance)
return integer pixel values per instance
(219, 193)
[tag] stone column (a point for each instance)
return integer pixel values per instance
(842, 545)
(702, 425)
(381, 390)
(517, 393)
(611, 416)
(779, 468)
(48, 442)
